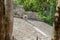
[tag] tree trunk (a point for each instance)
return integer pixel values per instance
(6, 20)
(56, 28)
(2, 27)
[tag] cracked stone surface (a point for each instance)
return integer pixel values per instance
(23, 30)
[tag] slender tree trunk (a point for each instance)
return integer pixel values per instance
(2, 26)
(6, 20)
(56, 28)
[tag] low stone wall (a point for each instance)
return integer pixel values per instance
(32, 15)
(20, 12)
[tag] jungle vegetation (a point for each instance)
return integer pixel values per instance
(45, 8)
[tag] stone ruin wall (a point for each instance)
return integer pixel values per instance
(20, 12)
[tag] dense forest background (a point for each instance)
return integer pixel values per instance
(45, 8)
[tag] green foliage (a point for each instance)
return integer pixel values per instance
(47, 15)
(19, 2)
(45, 8)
